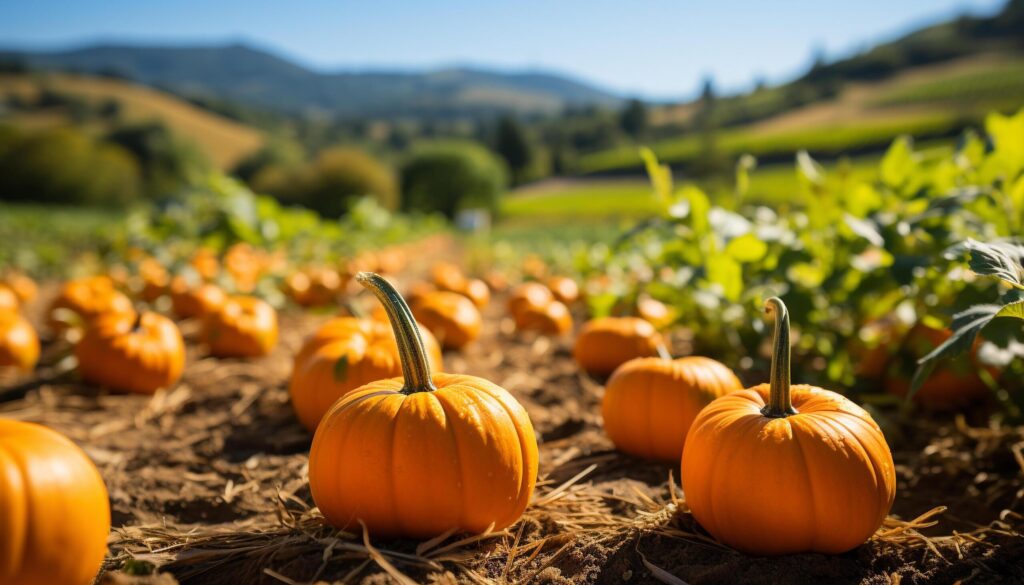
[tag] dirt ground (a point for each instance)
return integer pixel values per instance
(208, 485)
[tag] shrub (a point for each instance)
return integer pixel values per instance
(447, 177)
(340, 176)
(167, 162)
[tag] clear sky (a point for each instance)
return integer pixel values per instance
(654, 48)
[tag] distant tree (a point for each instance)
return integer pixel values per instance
(278, 152)
(168, 163)
(447, 177)
(706, 124)
(511, 144)
(633, 118)
(338, 178)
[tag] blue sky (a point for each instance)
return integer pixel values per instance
(653, 48)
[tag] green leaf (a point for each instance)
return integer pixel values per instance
(865, 229)
(1002, 260)
(744, 165)
(726, 273)
(341, 369)
(809, 169)
(660, 176)
(700, 206)
(1014, 310)
(746, 248)
(965, 328)
(898, 163)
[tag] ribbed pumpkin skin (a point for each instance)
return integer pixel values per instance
(451, 317)
(113, 355)
(191, 302)
(19, 344)
(89, 298)
(242, 327)
(821, 480)
(463, 456)
(370, 354)
(54, 509)
(606, 343)
(650, 403)
(552, 319)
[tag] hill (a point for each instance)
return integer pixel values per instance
(224, 141)
(244, 74)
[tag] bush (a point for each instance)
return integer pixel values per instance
(168, 163)
(448, 177)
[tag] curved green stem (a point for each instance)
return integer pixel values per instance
(779, 403)
(415, 367)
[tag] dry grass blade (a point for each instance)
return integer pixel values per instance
(659, 573)
(550, 496)
(383, 562)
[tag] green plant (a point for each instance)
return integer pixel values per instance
(448, 177)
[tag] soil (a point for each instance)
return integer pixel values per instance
(208, 485)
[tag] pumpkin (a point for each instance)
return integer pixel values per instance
(54, 508)
(416, 293)
(953, 385)
(451, 317)
(565, 289)
(242, 327)
(650, 403)
(425, 454)
(529, 296)
(654, 312)
(447, 276)
(314, 288)
(137, 353)
(608, 342)
(19, 344)
(23, 287)
(205, 262)
(154, 279)
(8, 300)
(477, 291)
(552, 319)
(344, 354)
(85, 299)
(190, 302)
(779, 469)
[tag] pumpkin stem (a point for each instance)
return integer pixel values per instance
(415, 367)
(663, 352)
(779, 403)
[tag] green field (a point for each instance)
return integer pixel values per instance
(40, 238)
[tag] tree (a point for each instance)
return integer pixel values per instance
(633, 118)
(709, 162)
(447, 177)
(511, 144)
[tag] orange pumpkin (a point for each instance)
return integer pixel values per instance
(8, 300)
(82, 300)
(23, 287)
(131, 353)
(477, 291)
(54, 508)
(416, 293)
(451, 317)
(608, 342)
(650, 403)
(778, 470)
(448, 276)
(190, 302)
(344, 354)
(552, 319)
(564, 288)
(654, 312)
(314, 288)
(953, 385)
(19, 344)
(422, 455)
(155, 280)
(205, 262)
(242, 327)
(529, 296)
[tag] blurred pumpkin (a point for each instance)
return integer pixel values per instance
(953, 385)
(344, 354)
(188, 301)
(82, 300)
(19, 344)
(654, 312)
(54, 509)
(23, 287)
(477, 291)
(451, 317)
(531, 296)
(242, 327)
(8, 300)
(552, 319)
(138, 353)
(608, 342)
(447, 276)
(564, 288)
(154, 279)
(776, 469)
(424, 455)
(319, 287)
(243, 264)
(205, 262)
(650, 403)
(496, 280)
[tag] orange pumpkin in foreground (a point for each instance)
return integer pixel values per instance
(650, 403)
(190, 302)
(132, 353)
(54, 509)
(82, 300)
(451, 317)
(344, 354)
(242, 327)
(19, 344)
(422, 455)
(776, 470)
(608, 342)
(552, 319)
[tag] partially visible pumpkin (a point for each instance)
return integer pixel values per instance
(318, 287)
(22, 285)
(953, 385)
(477, 291)
(154, 280)
(424, 455)
(447, 276)
(205, 262)
(608, 342)
(344, 354)
(8, 300)
(531, 296)
(654, 312)
(190, 302)
(54, 509)
(82, 300)
(242, 327)
(650, 403)
(131, 353)
(451, 317)
(564, 288)
(552, 319)
(776, 469)
(19, 344)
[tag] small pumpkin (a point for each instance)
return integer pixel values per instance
(425, 454)
(19, 344)
(242, 327)
(654, 312)
(82, 300)
(953, 385)
(650, 403)
(477, 291)
(155, 280)
(447, 276)
(779, 469)
(608, 342)
(564, 288)
(314, 288)
(529, 296)
(22, 285)
(451, 317)
(8, 300)
(54, 508)
(344, 354)
(204, 261)
(189, 302)
(138, 353)
(552, 319)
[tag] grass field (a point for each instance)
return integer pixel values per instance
(47, 235)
